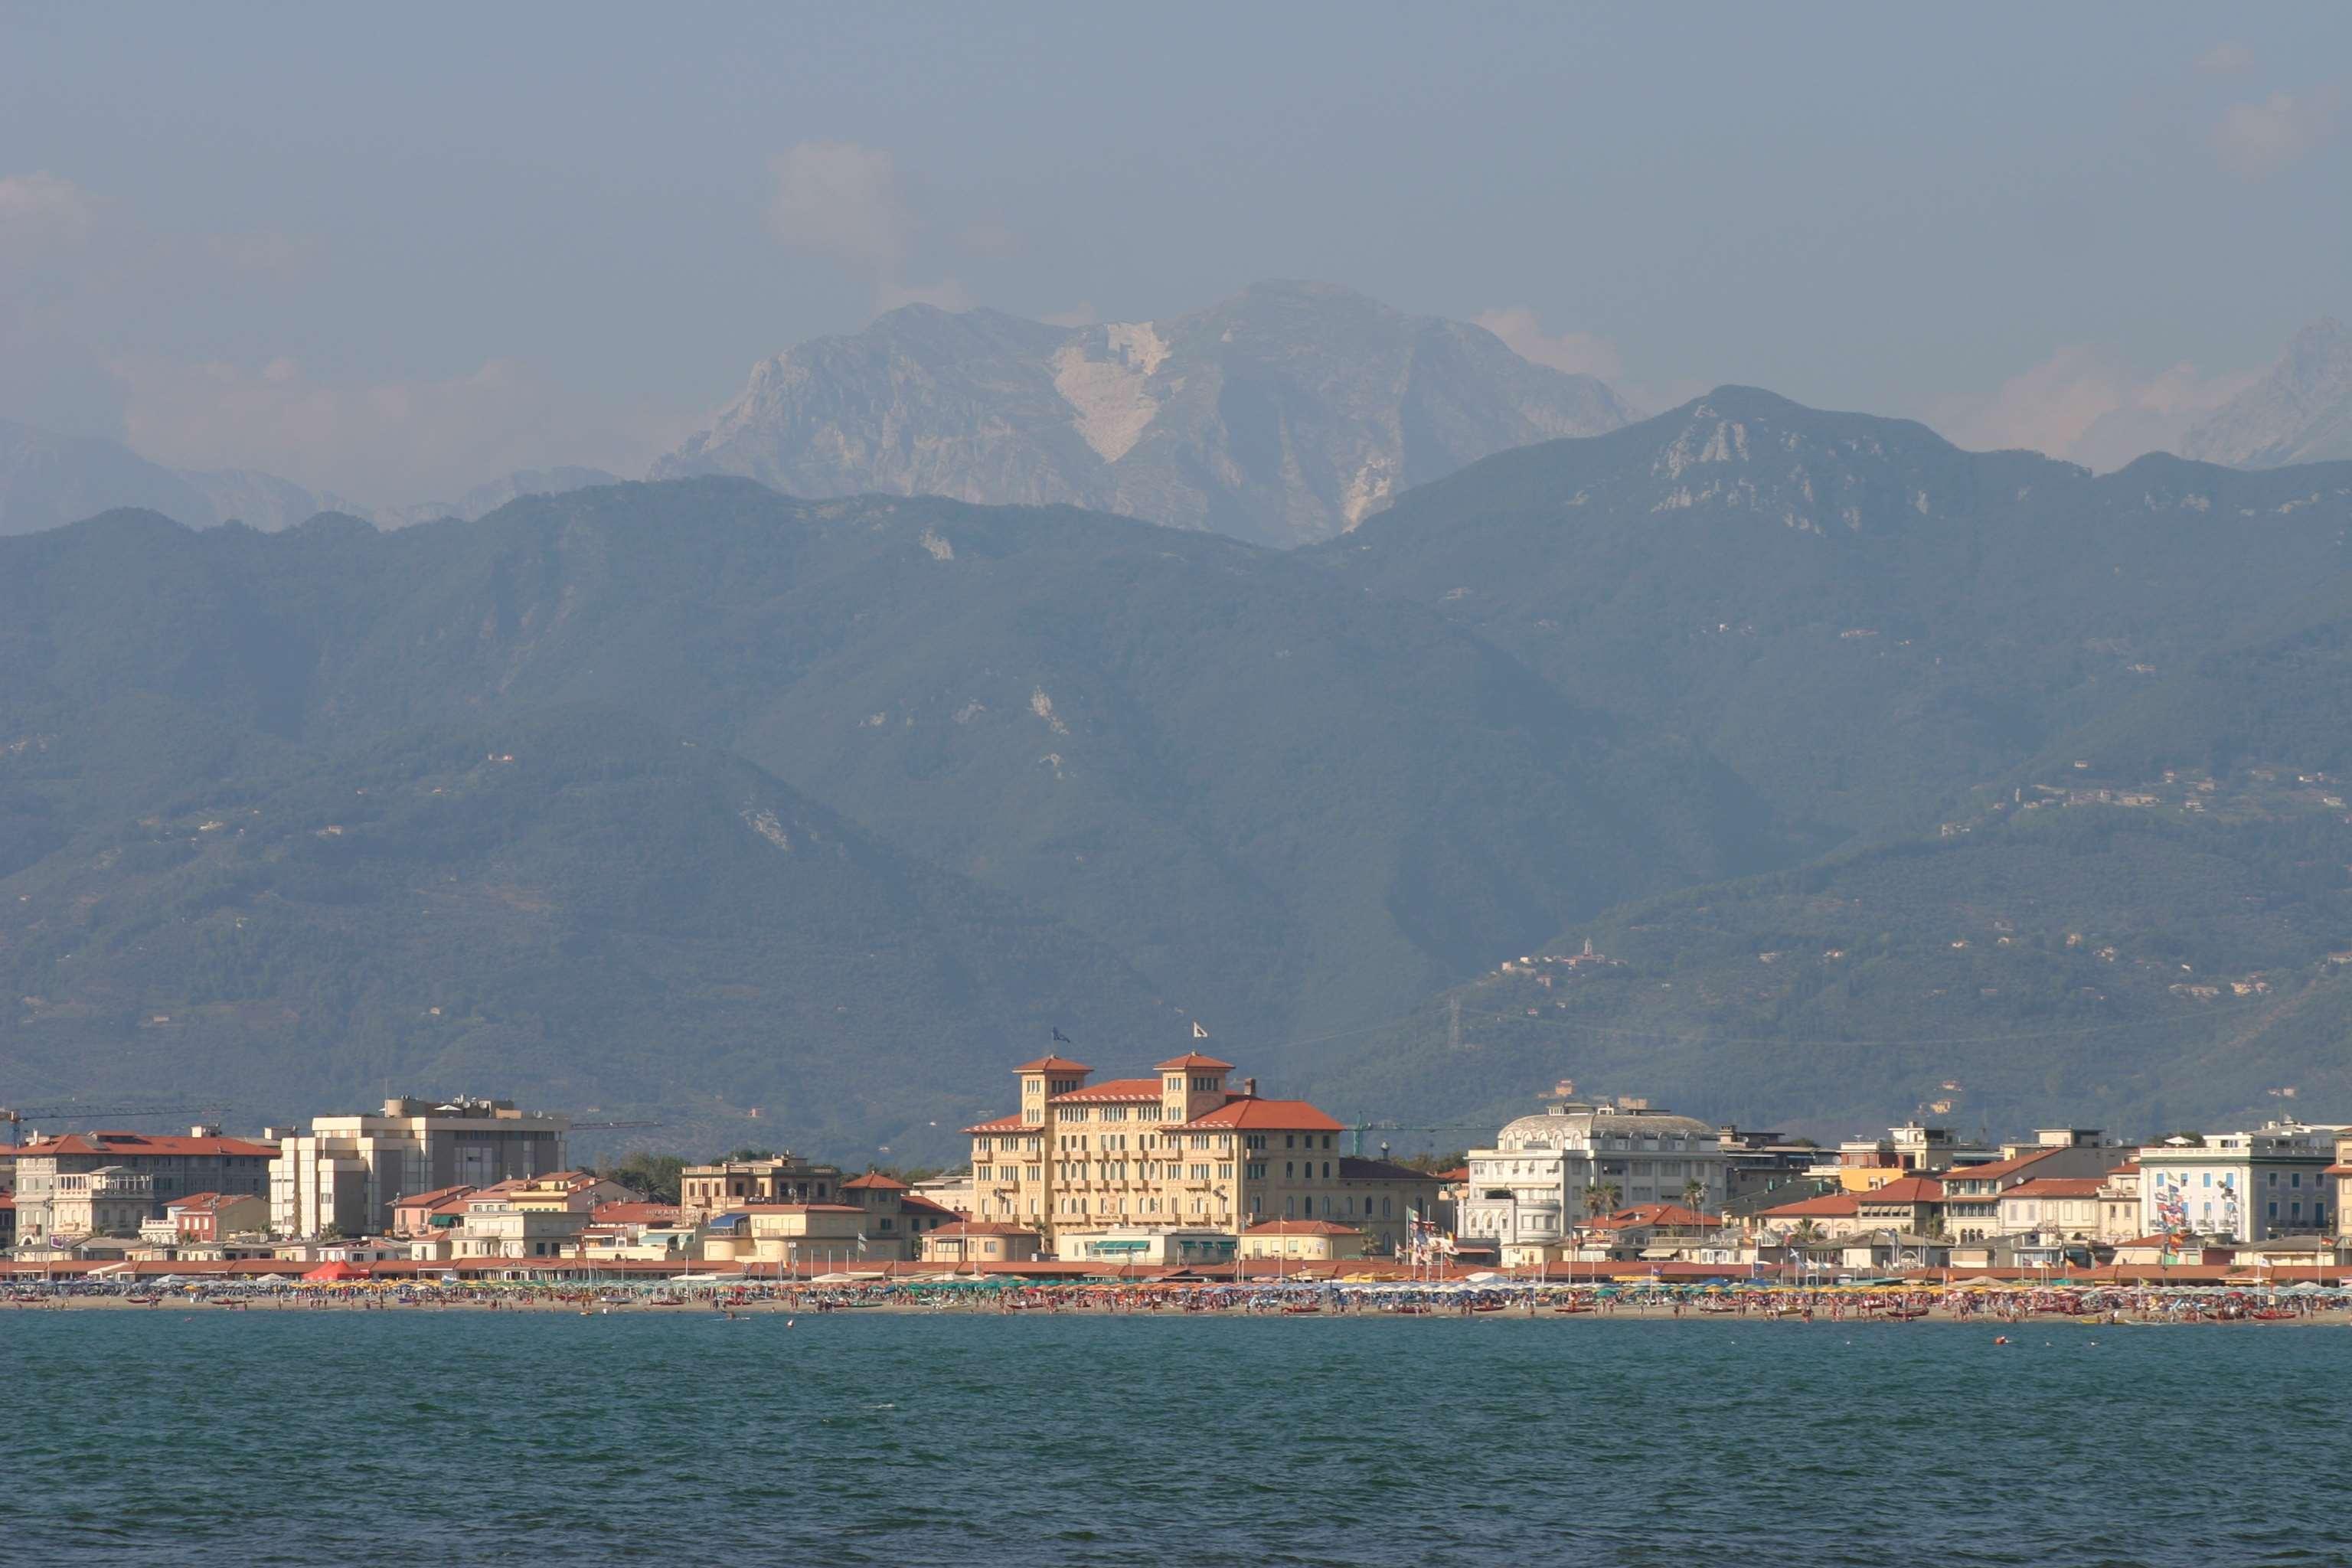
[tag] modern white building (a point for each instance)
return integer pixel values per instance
(347, 1171)
(2246, 1186)
(1548, 1173)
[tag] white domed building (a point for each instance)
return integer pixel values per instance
(1574, 1161)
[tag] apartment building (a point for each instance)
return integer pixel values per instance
(724, 1184)
(2242, 1186)
(1973, 1193)
(347, 1171)
(1548, 1173)
(85, 1183)
(1180, 1150)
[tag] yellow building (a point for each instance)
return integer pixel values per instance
(1306, 1240)
(1177, 1151)
(791, 1234)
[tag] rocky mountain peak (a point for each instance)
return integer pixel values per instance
(2300, 412)
(1286, 413)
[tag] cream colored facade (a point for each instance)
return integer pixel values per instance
(977, 1241)
(112, 1200)
(796, 1234)
(786, 1178)
(1177, 1151)
(347, 1171)
(1306, 1240)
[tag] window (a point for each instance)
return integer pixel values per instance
(1289, 1169)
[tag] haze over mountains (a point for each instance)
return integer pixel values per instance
(2301, 411)
(564, 795)
(47, 480)
(1285, 415)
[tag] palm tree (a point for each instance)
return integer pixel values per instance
(1601, 1197)
(1694, 1196)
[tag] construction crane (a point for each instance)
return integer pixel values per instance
(128, 1110)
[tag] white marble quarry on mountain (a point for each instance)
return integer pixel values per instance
(1285, 415)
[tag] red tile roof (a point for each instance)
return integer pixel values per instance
(1005, 1124)
(1908, 1190)
(1302, 1227)
(1999, 1168)
(198, 1203)
(1053, 1064)
(1282, 1115)
(1194, 1061)
(134, 1144)
(634, 1213)
(911, 1204)
(876, 1182)
(433, 1199)
(796, 1208)
(1115, 1088)
(1829, 1205)
(2057, 1187)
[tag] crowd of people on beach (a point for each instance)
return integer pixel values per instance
(1904, 1301)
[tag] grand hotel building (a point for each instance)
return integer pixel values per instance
(1177, 1151)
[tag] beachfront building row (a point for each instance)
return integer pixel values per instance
(1576, 1163)
(345, 1173)
(1179, 1151)
(102, 1184)
(2071, 1186)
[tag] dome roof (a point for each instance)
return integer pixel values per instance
(1549, 1127)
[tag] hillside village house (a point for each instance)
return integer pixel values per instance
(1575, 1161)
(347, 1171)
(2245, 1186)
(1177, 1151)
(97, 1184)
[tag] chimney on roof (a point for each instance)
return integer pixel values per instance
(1249, 1088)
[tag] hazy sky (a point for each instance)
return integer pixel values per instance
(395, 250)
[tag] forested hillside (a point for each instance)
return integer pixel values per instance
(1870, 767)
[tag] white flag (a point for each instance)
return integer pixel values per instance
(1198, 1033)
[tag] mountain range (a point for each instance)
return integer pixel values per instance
(2300, 412)
(47, 480)
(1285, 415)
(561, 797)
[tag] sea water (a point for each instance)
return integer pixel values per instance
(303, 1437)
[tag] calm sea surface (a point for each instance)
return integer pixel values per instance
(863, 1437)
